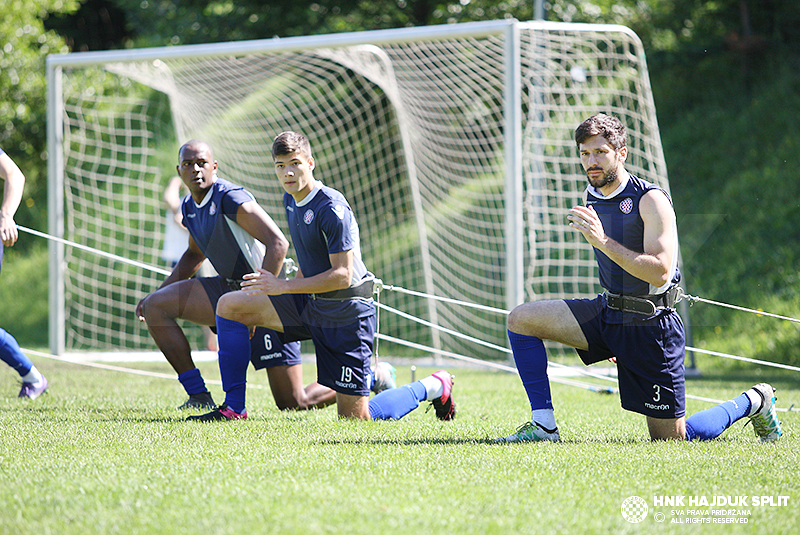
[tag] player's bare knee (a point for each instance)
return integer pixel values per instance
(515, 320)
(226, 306)
(151, 308)
(666, 428)
(289, 404)
(521, 320)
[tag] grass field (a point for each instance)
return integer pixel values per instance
(106, 452)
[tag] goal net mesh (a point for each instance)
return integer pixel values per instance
(412, 133)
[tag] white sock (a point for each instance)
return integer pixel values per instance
(434, 387)
(33, 376)
(545, 417)
(755, 401)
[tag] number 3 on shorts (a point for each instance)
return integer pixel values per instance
(657, 394)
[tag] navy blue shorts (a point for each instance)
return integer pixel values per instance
(267, 348)
(649, 353)
(343, 349)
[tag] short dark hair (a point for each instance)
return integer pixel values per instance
(604, 125)
(290, 142)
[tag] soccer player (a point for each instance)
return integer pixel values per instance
(227, 226)
(630, 224)
(34, 383)
(176, 238)
(329, 302)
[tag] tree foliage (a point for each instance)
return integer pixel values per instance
(712, 63)
(24, 46)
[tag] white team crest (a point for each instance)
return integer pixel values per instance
(213, 209)
(626, 205)
(308, 217)
(339, 211)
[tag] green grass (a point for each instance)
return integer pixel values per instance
(106, 452)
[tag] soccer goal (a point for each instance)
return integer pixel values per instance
(453, 144)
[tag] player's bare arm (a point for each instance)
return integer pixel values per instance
(336, 278)
(255, 221)
(653, 265)
(12, 196)
(187, 266)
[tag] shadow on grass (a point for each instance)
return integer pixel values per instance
(68, 414)
(378, 441)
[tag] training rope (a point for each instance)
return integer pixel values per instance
(503, 367)
(692, 299)
(95, 251)
(744, 359)
(290, 267)
(132, 371)
(484, 343)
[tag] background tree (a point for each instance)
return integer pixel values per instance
(24, 46)
(725, 81)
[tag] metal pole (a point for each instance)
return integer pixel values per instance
(55, 206)
(538, 10)
(515, 294)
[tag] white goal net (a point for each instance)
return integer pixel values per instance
(453, 144)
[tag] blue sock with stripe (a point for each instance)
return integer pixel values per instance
(710, 423)
(395, 403)
(233, 339)
(530, 356)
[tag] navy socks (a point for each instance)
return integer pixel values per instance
(192, 382)
(710, 423)
(234, 358)
(531, 358)
(11, 354)
(395, 403)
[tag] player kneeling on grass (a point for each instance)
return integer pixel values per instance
(630, 224)
(227, 226)
(329, 302)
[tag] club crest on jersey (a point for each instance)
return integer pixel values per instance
(308, 217)
(213, 209)
(626, 205)
(339, 211)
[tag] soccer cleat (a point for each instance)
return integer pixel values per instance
(33, 390)
(531, 432)
(445, 406)
(765, 420)
(384, 377)
(203, 400)
(219, 414)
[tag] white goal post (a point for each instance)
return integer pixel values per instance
(454, 145)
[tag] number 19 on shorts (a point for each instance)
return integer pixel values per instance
(347, 374)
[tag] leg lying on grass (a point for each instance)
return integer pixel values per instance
(758, 403)
(390, 404)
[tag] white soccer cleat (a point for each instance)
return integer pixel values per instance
(384, 377)
(765, 420)
(531, 432)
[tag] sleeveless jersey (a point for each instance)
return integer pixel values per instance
(619, 213)
(231, 250)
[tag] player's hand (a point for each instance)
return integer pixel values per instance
(8, 230)
(585, 220)
(140, 310)
(261, 282)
